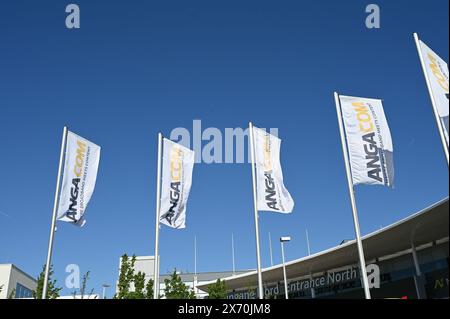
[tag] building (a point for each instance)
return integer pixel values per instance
(410, 258)
(145, 264)
(142, 264)
(15, 283)
(93, 296)
(194, 280)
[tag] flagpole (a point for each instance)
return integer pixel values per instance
(195, 265)
(313, 292)
(255, 205)
(195, 255)
(433, 101)
(307, 242)
(158, 208)
(55, 209)
(232, 253)
(362, 261)
(270, 250)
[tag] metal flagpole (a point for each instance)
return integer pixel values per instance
(195, 255)
(55, 208)
(195, 265)
(158, 208)
(270, 250)
(433, 102)
(313, 291)
(286, 293)
(232, 253)
(307, 242)
(255, 204)
(362, 261)
(418, 276)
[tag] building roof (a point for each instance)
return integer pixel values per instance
(15, 268)
(204, 276)
(426, 226)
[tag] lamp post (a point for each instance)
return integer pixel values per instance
(104, 290)
(282, 241)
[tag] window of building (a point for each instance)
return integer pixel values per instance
(23, 292)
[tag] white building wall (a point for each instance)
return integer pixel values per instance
(10, 276)
(145, 264)
(5, 274)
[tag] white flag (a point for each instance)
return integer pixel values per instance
(177, 166)
(271, 192)
(369, 141)
(80, 173)
(437, 71)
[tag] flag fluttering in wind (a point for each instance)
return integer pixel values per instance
(271, 192)
(369, 141)
(177, 167)
(79, 177)
(368, 154)
(436, 75)
(78, 164)
(174, 181)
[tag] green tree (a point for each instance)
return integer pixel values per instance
(218, 290)
(176, 289)
(139, 286)
(52, 290)
(149, 289)
(126, 277)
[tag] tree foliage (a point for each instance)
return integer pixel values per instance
(125, 277)
(139, 286)
(131, 285)
(52, 289)
(218, 290)
(176, 289)
(149, 289)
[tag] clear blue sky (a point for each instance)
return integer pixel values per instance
(136, 68)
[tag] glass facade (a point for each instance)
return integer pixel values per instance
(23, 292)
(398, 279)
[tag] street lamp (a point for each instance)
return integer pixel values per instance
(282, 241)
(104, 290)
